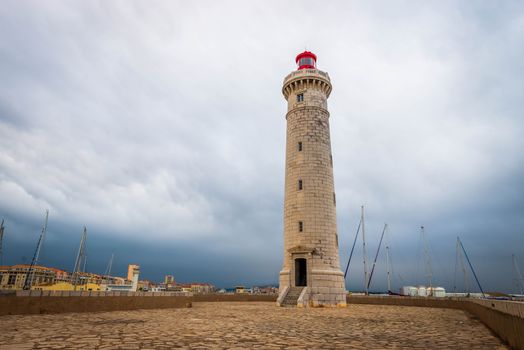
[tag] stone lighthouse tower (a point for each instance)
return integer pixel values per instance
(311, 274)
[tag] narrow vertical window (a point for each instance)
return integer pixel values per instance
(300, 97)
(336, 239)
(331, 160)
(300, 226)
(300, 185)
(334, 199)
(300, 146)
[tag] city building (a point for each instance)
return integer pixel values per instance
(14, 277)
(310, 274)
(88, 277)
(131, 271)
(130, 285)
(144, 285)
(169, 279)
(118, 280)
(61, 275)
(158, 288)
(186, 288)
(66, 286)
(50, 278)
(202, 288)
(264, 290)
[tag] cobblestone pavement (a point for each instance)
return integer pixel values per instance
(251, 325)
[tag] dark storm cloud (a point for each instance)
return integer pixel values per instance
(160, 125)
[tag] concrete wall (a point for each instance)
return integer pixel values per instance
(501, 319)
(505, 318)
(407, 301)
(233, 297)
(43, 302)
(91, 293)
(17, 305)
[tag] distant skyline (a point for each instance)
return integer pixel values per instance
(161, 127)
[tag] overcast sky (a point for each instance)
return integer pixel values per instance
(160, 125)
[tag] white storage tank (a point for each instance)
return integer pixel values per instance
(409, 291)
(437, 292)
(422, 291)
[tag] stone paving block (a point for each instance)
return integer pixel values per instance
(249, 325)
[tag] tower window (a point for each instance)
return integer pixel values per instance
(299, 185)
(331, 160)
(300, 97)
(334, 199)
(300, 146)
(300, 226)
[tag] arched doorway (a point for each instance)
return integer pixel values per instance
(300, 272)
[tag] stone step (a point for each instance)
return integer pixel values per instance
(292, 296)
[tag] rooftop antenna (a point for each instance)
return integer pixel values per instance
(31, 272)
(364, 251)
(80, 259)
(519, 275)
(427, 258)
(1, 240)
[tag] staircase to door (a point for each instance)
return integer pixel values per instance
(292, 295)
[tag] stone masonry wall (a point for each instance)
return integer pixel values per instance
(16, 305)
(53, 303)
(505, 318)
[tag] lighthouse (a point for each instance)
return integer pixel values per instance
(310, 274)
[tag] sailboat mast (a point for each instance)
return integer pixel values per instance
(364, 251)
(519, 275)
(352, 248)
(456, 267)
(460, 258)
(429, 270)
(388, 272)
(465, 272)
(1, 240)
(109, 266)
(471, 267)
(80, 258)
(376, 255)
(31, 272)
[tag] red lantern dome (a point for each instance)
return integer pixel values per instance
(306, 60)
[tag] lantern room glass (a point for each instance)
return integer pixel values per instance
(306, 61)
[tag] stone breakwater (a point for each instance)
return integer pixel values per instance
(246, 325)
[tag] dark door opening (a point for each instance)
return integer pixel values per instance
(300, 272)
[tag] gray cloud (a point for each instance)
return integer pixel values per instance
(161, 126)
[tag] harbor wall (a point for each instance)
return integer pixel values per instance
(504, 318)
(234, 297)
(18, 305)
(447, 303)
(47, 302)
